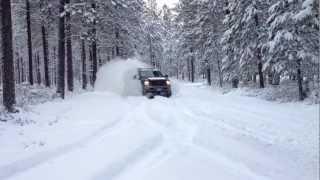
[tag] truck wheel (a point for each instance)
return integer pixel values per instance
(149, 95)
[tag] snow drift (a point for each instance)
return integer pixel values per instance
(117, 77)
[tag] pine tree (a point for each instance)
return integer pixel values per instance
(293, 38)
(187, 17)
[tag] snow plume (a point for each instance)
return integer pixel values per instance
(117, 77)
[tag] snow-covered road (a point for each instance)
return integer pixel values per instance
(197, 134)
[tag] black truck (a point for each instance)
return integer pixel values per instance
(153, 82)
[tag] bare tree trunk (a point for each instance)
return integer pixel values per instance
(69, 50)
(299, 77)
(54, 66)
(318, 75)
(261, 78)
(38, 68)
(209, 75)
(8, 61)
(99, 58)
(61, 53)
(22, 69)
(189, 69)
(84, 64)
(192, 70)
(94, 49)
(91, 68)
(18, 72)
(259, 58)
(29, 42)
(220, 73)
(45, 56)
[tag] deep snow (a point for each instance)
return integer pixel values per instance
(197, 134)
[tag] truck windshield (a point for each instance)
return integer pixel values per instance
(150, 73)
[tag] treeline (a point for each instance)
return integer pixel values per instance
(242, 41)
(61, 43)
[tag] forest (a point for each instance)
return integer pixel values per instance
(133, 90)
(228, 43)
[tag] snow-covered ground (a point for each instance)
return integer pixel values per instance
(197, 134)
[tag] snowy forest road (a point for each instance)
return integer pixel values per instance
(196, 134)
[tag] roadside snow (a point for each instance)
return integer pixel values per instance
(196, 134)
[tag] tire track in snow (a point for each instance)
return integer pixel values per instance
(165, 116)
(180, 129)
(152, 152)
(138, 154)
(150, 148)
(19, 166)
(226, 159)
(176, 128)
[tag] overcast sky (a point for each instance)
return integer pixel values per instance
(170, 3)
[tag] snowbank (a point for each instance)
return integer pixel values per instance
(284, 93)
(117, 77)
(27, 95)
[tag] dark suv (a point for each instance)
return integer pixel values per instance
(154, 82)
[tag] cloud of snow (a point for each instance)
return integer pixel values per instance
(117, 77)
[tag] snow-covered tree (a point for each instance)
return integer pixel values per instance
(155, 31)
(293, 38)
(211, 29)
(244, 39)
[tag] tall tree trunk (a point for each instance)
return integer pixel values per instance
(84, 64)
(54, 66)
(209, 75)
(22, 69)
(261, 77)
(299, 77)
(99, 58)
(8, 61)
(318, 75)
(61, 52)
(91, 67)
(94, 49)
(45, 55)
(192, 70)
(189, 69)
(38, 68)
(259, 58)
(69, 50)
(29, 42)
(220, 73)
(270, 77)
(18, 72)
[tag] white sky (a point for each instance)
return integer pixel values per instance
(170, 3)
